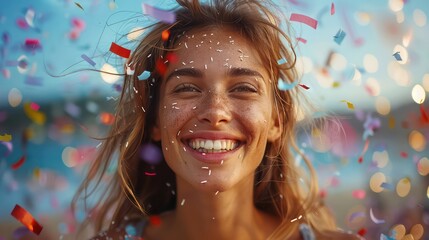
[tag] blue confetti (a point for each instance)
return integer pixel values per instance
(145, 75)
(87, 59)
(281, 61)
(286, 86)
(339, 37)
(387, 186)
(397, 56)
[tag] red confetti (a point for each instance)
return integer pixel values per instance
(22, 23)
(362, 232)
(304, 19)
(404, 154)
(155, 220)
(303, 40)
(19, 163)
(32, 43)
(359, 194)
(161, 67)
(120, 51)
(332, 9)
(425, 117)
(26, 219)
(304, 86)
(165, 35)
(360, 159)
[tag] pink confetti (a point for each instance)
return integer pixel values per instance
(304, 19)
(332, 9)
(22, 23)
(32, 43)
(359, 194)
(34, 106)
(162, 15)
(303, 40)
(78, 23)
(6, 73)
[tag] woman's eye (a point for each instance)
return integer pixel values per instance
(245, 88)
(186, 88)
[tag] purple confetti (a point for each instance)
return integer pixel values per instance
(20, 232)
(87, 59)
(34, 81)
(162, 15)
(151, 153)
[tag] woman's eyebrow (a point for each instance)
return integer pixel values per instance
(191, 72)
(237, 72)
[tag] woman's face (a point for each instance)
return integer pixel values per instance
(216, 110)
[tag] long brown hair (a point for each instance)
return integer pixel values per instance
(280, 189)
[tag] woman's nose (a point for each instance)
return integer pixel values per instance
(214, 109)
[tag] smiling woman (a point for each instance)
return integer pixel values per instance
(212, 106)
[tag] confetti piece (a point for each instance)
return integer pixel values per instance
(26, 219)
(385, 237)
(374, 219)
(286, 86)
(145, 75)
(35, 116)
(87, 59)
(34, 81)
(304, 19)
(349, 104)
(397, 56)
(155, 220)
(355, 215)
(404, 154)
(332, 9)
(165, 35)
(9, 148)
(359, 194)
(107, 118)
(301, 40)
(18, 163)
(304, 86)
(34, 106)
(162, 15)
(281, 61)
(387, 186)
(362, 232)
(79, 6)
(339, 37)
(6, 138)
(120, 51)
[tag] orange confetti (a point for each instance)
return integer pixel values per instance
(107, 118)
(165, 35)
(26, 219)
(349, 104)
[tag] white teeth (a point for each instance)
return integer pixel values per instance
(206, 145)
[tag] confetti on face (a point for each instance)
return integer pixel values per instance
(26, 219)
(161, 15)
(295, 17)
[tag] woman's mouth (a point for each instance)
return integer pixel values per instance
(213, 146)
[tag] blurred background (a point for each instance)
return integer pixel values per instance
(373, 167)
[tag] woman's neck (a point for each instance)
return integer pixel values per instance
(224, 215)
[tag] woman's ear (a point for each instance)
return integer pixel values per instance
(275, 128)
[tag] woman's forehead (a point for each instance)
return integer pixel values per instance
(216, 45)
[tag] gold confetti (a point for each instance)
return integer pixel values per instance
(6, 138)
(349, 104)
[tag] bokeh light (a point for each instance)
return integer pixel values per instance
(403, 187)
(14, 97)
(396, 5)
(419, 17)
(382, 105)
(370, 63)
(418, 94)
(376, 181)
(109, 73)
(423, 166)
(417, 140)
